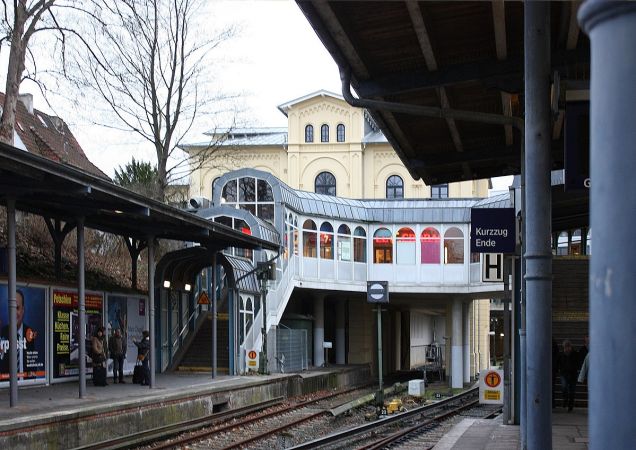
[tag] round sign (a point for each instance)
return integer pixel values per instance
(492, 379)
(376, 291)
(252, 354)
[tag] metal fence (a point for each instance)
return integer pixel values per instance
(289, 348)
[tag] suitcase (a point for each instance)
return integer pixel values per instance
(138, 374)
(99, 375)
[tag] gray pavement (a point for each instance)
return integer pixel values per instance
(569, 432)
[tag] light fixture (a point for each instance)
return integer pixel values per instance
(117, 211)
(166, 284)
(502, 335)
(187, 287)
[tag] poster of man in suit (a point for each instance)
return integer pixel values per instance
(31, 333)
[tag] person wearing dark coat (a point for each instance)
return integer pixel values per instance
(568, 369)
(143, 355)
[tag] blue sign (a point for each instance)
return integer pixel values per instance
(492, 230)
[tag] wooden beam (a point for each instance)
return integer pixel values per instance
(573, 29)
(501, 46)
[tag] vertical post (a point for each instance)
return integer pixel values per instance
(81, 298)
(612, 30)
(214, 312)
(457, 378)
(340, 333)
(538, 218)
(13, 319)
(380, 380)
(319, 330)
(466, 342)
(151, 307)
(523, 367)
(398, 340)
(264, 369)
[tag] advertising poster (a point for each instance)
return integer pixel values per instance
(129, 315)
(66, 330)
(31, 326)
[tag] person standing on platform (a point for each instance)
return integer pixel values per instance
(98, 355)
(117, 352)
(143, 355)
(568, 368)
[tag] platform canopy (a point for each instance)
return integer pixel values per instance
(405, 59)
(58, 191)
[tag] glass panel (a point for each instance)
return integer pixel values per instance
(430, 248)
(229, 192)
(309, 133)
(266, 212)
(359, 231)
(325, 184)
(324, 133)
(360, 250)
(247, 189)
(326, 227)
(453, 251)
(405, 246)
(340, 133)
(394, 187)
(247, 207)
(344, 248)
(265, 192)
(309, 225)
(326, 245)
(309, 244)
(453, 233)
(344, 229)
(382, 247)
(224, 220)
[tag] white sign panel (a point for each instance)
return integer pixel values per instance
(492, 267)
(491, 387)
(251, 359)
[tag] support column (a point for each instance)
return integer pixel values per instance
(612, 30)
(81, 295)
(466, 340)
(214, 323)
(151, 307)
(11, 294)
(457, 363)
(340, 332)
(319, 330)
(398, 340)
(538, 219)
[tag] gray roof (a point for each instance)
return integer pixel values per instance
(244, 273)
(371, 211)
(244, 137)
(259, 228)
(374, 137)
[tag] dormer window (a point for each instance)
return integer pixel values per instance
(309, 133)
(324, 133)
(340, 133)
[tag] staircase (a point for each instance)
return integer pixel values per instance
(198, 356)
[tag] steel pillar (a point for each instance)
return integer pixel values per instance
(81, 300)
(214, 323)
(612, 30)
(319, 330)
(151, 308)
(457, 378)
(466, 341)
(340, 332)
(538, 254)
(11, 295)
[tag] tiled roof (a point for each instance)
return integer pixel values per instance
(51, 138)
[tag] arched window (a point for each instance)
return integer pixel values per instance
(394, 187)
(359, 245)
(326, 241)
(453, 246)
(244, 228)
(340, 133)
(229, 192)
(405, 246)
(324, 133)
(429, 244)
(296, 236)
(325, 184)
(575, 243)
(310, 248)
(344, 243)
(382, 247)
(251, 194)
(309, 133)
(212, 191)
(562, 244)
(439, 191)
(246, 316)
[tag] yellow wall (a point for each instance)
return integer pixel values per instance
(361, 170)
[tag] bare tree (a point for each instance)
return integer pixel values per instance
(28, 19)
(146, 60)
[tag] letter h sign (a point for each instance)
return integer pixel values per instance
(492, 267)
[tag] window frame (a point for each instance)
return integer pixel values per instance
(325, 188)
(394, 187)
(309, 133)
(324, 133)
(340, 132)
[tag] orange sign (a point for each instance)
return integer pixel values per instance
(203, 299)
(492, 379)
(251, 354)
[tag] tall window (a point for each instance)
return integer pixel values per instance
(340, 133)
(382, 247)
(324, 133)
(394, 187)
(429, 244)
(326, 241)
(325, 184)
(344, 243)
(439, 191)
(309, 133)
(405, 246)
(359, 245)
(310, 248)
(251, 194)
(453, 246)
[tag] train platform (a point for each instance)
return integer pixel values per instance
(569, 432)
(54, 416)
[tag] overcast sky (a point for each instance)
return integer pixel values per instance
(275, 57)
